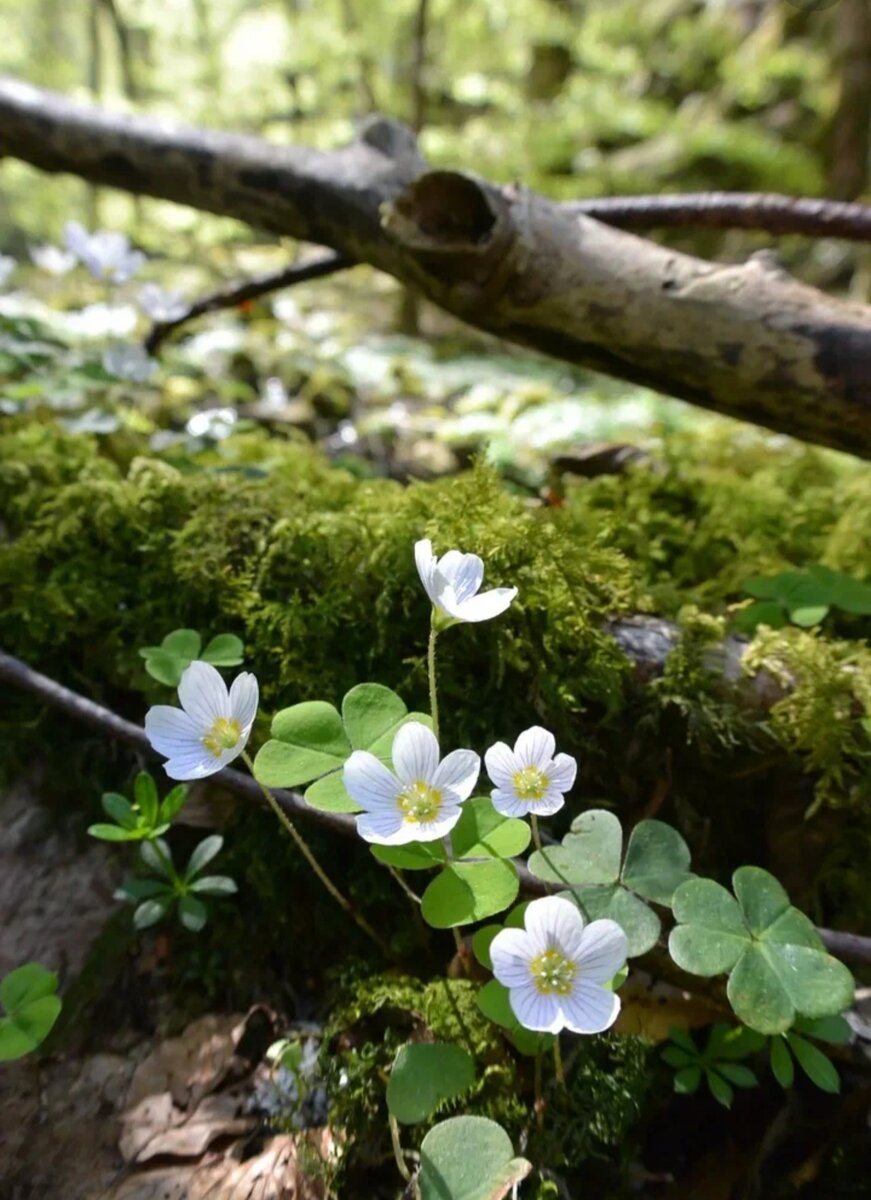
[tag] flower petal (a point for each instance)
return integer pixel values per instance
(425, 561)
(203, 694)
(415, 753)
(430, 831)
(502, 765)
(171, 731)
(459, 772)
(562, 772)
(485, 605)
(551, 802)
(244, 697)
(192, 764)
(589, 1008)
(511, 954)
(383, 828)
(554, 921)
(534, 748)
(369, 783)
(602, 951)
(507, 803)
(466, 578)
(536, 1010)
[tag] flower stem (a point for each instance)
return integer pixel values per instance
(431, 672)
(308, 855)
(397, 1148)
(536, 836)
(558, 1063)
(539, 1098)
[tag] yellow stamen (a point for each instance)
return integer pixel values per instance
(553, 973)
(223, 735)
(530, 784)
(419, 802)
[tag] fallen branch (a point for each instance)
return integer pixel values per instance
(848, 946)
(238, 293)
(733, 210)
(742, 339)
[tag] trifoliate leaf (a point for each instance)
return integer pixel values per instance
(424, 1076)
(482, 832)
(469, 1158)
(466, 892)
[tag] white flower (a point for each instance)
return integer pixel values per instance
(421, 802)
(7, 266)
(555, 968)
(160, 305)
(452, 584)
(212, 726)
(52, 259)
(126, 360)
(528, 778)
(216, 423)
(106, 254)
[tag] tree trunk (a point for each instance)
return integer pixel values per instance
(748, 340)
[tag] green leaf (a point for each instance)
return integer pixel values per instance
(308, 741)
(143, 889)
(424, 1076)
(372, 714)
(192, 913)
(114, 833)
(776, 963)
(166, 668)
(482, 832)
(657, 861)
(30, 1025)
(173, 802)
(764, 612)
(817, 1066)
(119, 809)
(846, 593)
(719, 1089)
(737, 1074)
(150, 912)
(330, 795)
(493, 1001)
(466, 892)
(203, 853)
(145, 795)
(215, 885)
(640, 923)
(413, 856)
(25, 985)
(183, 644)
(469, 1158)
(481, 941)
(589, 854)
(687, 1080)
(224, 650)
(782, 1067)
(833, 1029)
(156, 854)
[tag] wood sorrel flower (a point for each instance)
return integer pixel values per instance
(106, 254)
(212, 726)
(556, 966)
(421, 802)
(529, 780)
(452, 584)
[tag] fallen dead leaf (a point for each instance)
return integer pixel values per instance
(157, 1126)
(651, 1009)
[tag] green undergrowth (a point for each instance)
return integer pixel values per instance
(105, 550)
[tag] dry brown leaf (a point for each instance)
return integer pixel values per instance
(274, 1174)
(651, 1010)
(157, 1126)
(165, 1183)
(188, 1066)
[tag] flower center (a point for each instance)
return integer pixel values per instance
(419, 802)
(223, 735)
(530, 784)
(552, 972)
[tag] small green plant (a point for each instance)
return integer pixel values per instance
(154, 898)
(28, 996)
(802, 597)
(147, 817)
(168, 662)
(794, 1044)
(715, 1063)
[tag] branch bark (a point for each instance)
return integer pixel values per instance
(848, 946)
(746, 340)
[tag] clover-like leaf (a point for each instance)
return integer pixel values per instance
(28, 996)
(469, 891)
(482, 832)
(224, 650)
(589, 862)
(777, 965)
(424, 1076)
(311, 741)
(413, 856)
(469, 1158)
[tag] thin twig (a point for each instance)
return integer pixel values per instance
(733, 210)
(850, 947)
(237, 293)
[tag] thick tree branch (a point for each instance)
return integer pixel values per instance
(745, 340)
(734, 210)
(851, 947)
(237, 293)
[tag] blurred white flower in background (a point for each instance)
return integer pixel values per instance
(215, 423)
(128, 360)
(52, 259)
(161, 306)
(106, 254)
(100, 320)
(7, 266)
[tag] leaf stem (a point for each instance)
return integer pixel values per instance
(536, 836)
(431, 673)
(308, 855)
(558, 1063)
(397, 1148)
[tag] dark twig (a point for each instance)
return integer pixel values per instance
(733, 210)
(848, 946)
(238, 293)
